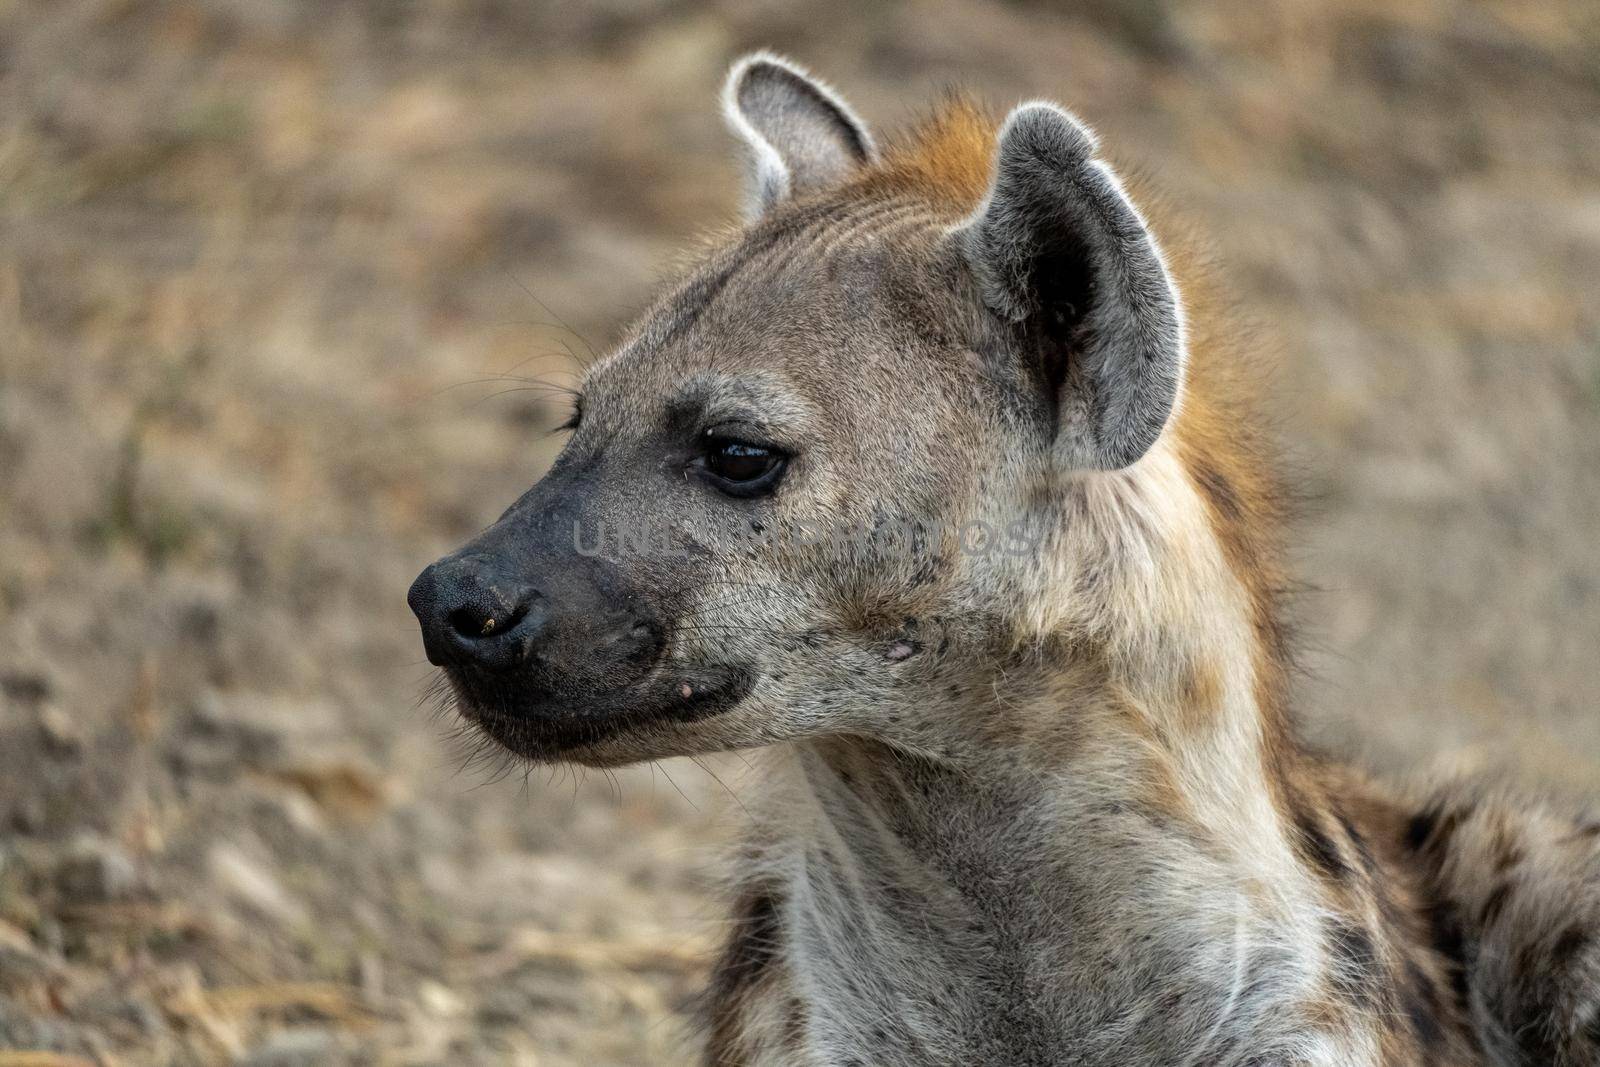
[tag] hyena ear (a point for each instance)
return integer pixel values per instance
(1064, 257)
(800, 134)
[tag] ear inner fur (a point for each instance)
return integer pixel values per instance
(1059, 247)
(801, 136)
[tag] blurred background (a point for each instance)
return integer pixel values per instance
(266, 266)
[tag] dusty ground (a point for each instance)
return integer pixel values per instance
(257, 261)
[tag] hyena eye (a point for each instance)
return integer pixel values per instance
(740, 468)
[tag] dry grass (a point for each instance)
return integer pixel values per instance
(270, 275)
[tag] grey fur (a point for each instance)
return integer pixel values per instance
(1051, 196)
(1013, 808)
(800, 135)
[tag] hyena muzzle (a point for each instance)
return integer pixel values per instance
(941, 481)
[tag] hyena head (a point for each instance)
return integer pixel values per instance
(837, 481)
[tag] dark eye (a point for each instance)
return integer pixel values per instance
(740, 468)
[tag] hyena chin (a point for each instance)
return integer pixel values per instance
(942, 481)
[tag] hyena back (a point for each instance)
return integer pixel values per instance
(960, 508)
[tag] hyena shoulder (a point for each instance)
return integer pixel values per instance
(1519, 880)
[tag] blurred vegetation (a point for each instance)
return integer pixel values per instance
(265, 269)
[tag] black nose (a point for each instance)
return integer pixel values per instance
(472, 614)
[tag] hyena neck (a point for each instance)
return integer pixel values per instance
(1060, 899)
(1110, 828)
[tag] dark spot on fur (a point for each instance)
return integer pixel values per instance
(1420, 829)
(1356, 974)
(1423, 1006)
(1369, 863)
(747, 957)
(1319, 848)
(1423, 1021)
(1507, 853)
(1573, 940)
(1444, 930)
(1508, 859)
(1433, 829)
(1529, 1026)
(794, 1024)
(1218, 490)
(1495, 904)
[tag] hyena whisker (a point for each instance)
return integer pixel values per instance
(737, 586)
(559, 321)
(698, 762)
(716, 607)
(668, 776)
(538, 393)
(793, 642)
(494, 379)
(714, 610)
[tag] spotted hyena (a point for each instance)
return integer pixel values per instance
(942, 481)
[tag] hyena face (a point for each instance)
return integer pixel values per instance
(822, 484)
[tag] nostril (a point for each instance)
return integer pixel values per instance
(471, 624)
(474, 624)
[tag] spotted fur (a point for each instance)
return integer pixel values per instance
(1144, 867)
(1040, 806)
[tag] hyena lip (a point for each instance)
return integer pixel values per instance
(549, 724)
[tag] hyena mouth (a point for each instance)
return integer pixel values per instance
(540, 722)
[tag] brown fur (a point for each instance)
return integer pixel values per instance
(947, 160)
(1032, 807)
(1396, 949)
